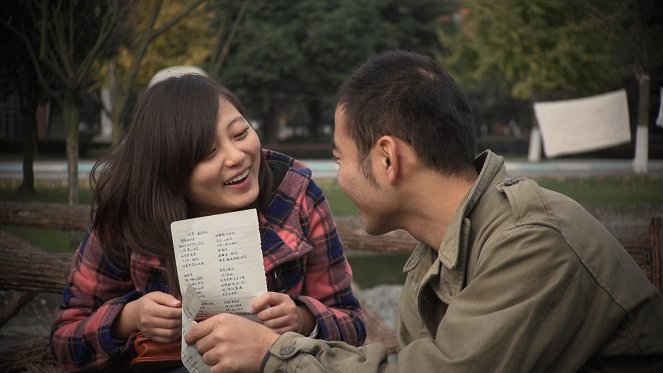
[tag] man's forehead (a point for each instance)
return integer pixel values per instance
(341, 138)
(339, 119)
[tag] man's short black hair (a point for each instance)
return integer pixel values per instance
(409, 96)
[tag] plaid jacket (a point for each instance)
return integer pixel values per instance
(302, 254)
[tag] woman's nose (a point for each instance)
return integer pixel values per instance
(234, 156)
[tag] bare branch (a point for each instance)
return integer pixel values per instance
(175, 19)
(226, 46)
(35, 62)
(609, 22)
(110, 20)
(216, 53)
(55, 32)
(121, 98)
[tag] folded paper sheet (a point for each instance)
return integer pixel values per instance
(585, 124)
(192, 360)
(219, 267)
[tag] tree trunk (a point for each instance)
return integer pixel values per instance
(45, 215)
(269, 124)
(28, 268)
(314, 115)
(535, 140)
(70, 117)
(642, 132)
(641, 67)
(29, 108)
(14, 306)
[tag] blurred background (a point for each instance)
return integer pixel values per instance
(71, 72)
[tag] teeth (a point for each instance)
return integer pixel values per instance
(238, 178)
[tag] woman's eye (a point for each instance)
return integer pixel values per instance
(211, 152)
(242, 134)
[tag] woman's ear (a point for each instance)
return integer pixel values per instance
(388, 157)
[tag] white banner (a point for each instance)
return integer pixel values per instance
(584, 124)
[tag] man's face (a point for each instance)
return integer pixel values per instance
(365, 195)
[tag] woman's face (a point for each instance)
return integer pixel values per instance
(227, 179)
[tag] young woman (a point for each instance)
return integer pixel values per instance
(190, 152)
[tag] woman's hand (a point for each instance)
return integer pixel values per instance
(158, 315)
(279, 312)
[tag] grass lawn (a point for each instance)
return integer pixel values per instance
(599, 190)
(595, 190)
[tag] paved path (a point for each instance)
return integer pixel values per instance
(57, 170)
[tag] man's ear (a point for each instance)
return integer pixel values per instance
(388, 157)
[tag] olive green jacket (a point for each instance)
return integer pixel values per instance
(524, 280)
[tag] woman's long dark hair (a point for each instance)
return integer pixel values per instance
(139, 184)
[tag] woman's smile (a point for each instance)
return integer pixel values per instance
(238, 179)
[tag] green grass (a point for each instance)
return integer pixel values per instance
(595, 190)
(338, 200)
(48, 193)
(609, 189)
(52, 240)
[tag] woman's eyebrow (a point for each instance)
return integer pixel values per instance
(238, 118)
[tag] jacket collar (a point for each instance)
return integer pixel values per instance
(427, 272)
(456, 237)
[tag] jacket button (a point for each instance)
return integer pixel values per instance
(287, 350)
(509, 182)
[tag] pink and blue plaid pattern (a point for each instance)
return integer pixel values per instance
(303, 257)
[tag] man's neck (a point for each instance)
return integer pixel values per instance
(433, 200)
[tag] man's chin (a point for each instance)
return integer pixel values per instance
(372, 229)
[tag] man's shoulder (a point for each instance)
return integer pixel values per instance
(529, 203)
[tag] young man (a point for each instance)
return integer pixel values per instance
(507, 276)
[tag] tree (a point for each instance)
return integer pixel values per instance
(72, 35)
(289, 55)
(224, 37)
(641, 28)
(541, 48)
(19, 77)
(262, 61)
(556, 49)
(160, 19)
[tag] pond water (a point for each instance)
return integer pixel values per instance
(372, 269)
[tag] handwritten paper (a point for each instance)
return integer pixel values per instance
(220, 257)
(219, 263)
(191, 358)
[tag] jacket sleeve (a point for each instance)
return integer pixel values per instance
(327, 288)
(516, 315)
(94, 295)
